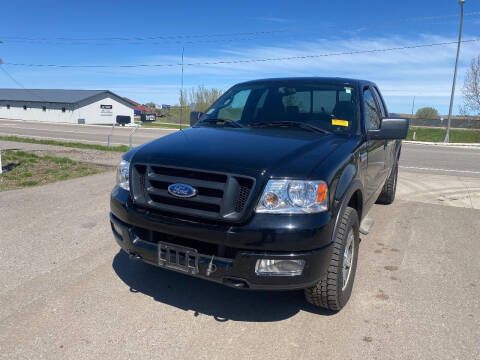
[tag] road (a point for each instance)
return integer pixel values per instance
(440, 159)
(80, 133)
(67, 292)
(415, 158)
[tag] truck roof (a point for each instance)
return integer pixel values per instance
(330, 80)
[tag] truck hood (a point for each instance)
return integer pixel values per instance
(277, 152)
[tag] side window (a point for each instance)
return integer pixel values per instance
(233, 110)
(371, 111)
(383, 112)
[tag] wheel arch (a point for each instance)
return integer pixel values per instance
(399, 150)
(352, 196)
(356, 202)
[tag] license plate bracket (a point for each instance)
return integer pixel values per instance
(178, 258)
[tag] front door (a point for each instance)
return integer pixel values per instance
(376, 149)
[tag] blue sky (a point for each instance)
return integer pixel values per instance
(34, 32)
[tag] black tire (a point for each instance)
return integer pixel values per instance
(389, 188)
(330, 292)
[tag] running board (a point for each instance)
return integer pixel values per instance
(366, 225)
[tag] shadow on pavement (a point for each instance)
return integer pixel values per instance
(208, 298)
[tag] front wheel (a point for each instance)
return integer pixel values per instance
(390, 188)
(335, 287)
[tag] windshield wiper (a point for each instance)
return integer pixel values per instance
(292, 124)
(223, 121)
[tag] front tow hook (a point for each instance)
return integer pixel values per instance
(236, 283)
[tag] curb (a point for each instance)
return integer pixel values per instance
(459, 145)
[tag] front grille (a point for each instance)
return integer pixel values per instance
(243, 194)
(219, 196)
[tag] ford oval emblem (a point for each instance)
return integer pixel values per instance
(182, 190)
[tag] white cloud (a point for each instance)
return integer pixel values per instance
(271, 19)
(424, 72)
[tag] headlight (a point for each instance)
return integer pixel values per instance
(293, 197)
(122, 175)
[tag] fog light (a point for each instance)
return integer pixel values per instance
(117, 228)
(279, 267)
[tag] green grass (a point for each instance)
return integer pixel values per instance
(119, 148)
(159, 124)
(22, 169)
(438, 135)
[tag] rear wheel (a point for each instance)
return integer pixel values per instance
(389, 189)
(334, 289)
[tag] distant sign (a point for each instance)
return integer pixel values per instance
(106, 110)
(148, 117)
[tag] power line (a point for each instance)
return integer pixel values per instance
(19, 84)
(132, 42)
(193, 38)
(291, 35)
(241, 61)
(147, 38)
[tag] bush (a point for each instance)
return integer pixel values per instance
(200, 96)
(427, 113)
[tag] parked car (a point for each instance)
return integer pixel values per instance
(268, 189)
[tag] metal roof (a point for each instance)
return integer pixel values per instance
(50, 95)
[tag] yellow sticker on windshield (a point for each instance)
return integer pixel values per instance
(339, 122)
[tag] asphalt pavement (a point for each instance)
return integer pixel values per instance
(68, 292)
(440, 159)
(415, 158)
(89, 134)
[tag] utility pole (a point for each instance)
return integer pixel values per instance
(413, 104)
(1, 62)
(447, 135)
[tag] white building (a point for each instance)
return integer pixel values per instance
(65, 106)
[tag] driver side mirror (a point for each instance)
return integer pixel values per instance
(194, 117)
(390, 128)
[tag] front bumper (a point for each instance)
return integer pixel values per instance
(239, 271)
(306, 238)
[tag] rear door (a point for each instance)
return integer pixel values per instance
(375, 148)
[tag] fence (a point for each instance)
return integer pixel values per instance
(459, 123)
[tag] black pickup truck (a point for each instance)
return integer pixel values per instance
(268, 189)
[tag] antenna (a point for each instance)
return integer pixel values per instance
(181, 94)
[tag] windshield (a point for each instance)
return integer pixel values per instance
(326, 107)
